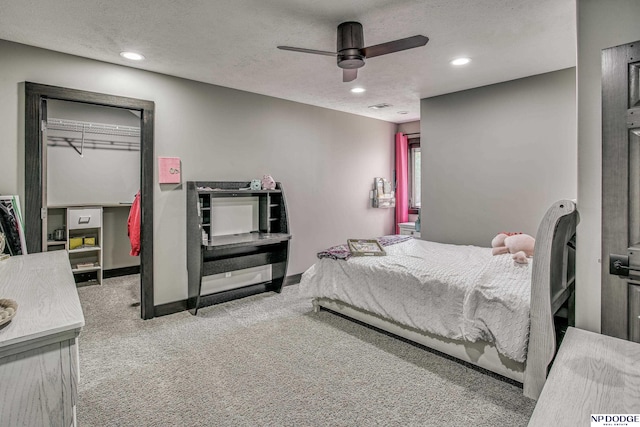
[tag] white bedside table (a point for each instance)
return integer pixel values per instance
(409, 228)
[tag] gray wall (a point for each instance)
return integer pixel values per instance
(601, 24)
(496, 157)
(325, 159)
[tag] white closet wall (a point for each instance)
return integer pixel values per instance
(102, 176)
(107, 176)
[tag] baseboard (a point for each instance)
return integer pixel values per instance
(170, 308)
(178, 306)
(122, 271)
(292, 280)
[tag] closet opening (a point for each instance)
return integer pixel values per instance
(86, 155)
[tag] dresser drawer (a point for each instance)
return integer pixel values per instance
(79, 218)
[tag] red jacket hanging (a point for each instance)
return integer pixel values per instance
(134, 226)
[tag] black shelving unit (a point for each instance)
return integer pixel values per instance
(208, 253)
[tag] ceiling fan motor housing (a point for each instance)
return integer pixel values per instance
(350, 41)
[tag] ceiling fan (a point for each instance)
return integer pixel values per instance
(352, 53)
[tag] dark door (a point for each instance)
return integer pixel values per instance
(621, 191)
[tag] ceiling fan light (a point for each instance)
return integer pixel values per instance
(460, 61)
(358, 90)
(132, 56)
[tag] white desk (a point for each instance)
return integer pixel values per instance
(38, 348)
(592, 374)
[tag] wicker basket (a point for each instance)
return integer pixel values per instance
(8, 309)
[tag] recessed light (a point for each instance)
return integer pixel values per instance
(132, 56)
(403, 112)
(358, 90)
(460, 61)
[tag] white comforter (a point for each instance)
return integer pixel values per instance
(457, 292)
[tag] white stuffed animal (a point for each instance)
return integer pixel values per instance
(268, 183)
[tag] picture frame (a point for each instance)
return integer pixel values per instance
(365, 247)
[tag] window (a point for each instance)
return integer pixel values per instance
(414, 175)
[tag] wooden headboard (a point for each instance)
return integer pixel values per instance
(552, 283)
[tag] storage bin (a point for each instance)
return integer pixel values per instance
(75, 242)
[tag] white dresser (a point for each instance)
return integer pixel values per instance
(39, 367)
(409, 228)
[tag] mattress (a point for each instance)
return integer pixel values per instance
(457, 292)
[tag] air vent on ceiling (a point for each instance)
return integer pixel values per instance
(380, 106)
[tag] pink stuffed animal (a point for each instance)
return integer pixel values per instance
(268, 183)
(519, 245)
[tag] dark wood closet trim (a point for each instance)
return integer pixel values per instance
(34, 94)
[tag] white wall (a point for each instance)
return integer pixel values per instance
(325, 159)
(409, 127)
(496, 157)
(99, 176)
(601, 24)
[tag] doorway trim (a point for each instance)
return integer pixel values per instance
(34, 151)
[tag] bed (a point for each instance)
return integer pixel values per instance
(461, 300)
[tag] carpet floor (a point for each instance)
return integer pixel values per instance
(268, 360)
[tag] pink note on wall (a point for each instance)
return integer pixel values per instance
(169, 170)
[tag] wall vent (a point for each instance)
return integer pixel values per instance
(380, 106)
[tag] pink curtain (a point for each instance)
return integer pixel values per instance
(402, 170)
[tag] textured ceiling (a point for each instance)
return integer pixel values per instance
(233, 43)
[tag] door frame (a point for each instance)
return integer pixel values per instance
(35, 150)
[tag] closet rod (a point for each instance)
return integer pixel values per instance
(59, 141)
(95, 128)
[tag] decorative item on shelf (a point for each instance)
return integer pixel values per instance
(382, 196)
(256, 184)
(268, 183)
(417, 223)
(8, 309)
(58, 234)
(81, 265)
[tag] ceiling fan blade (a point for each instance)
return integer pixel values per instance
(349, 75)
(395, 46)
(300, 49)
